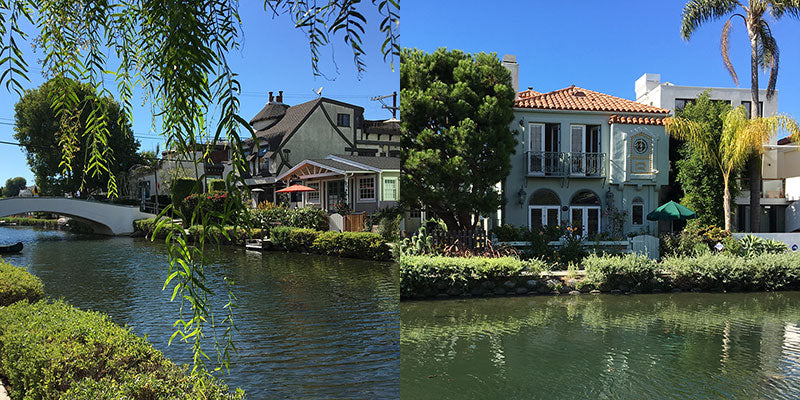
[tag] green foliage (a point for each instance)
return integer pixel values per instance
(39, 222)
(752, 245)
(388, 220)
(216, 185)
(38, 127)
(353, 244)
(13, 186)
(235, 235)
(510, 233)
(293, 239)
(206, 205)
(148, 227)
(422, 242)
(633, 271)
(305, 217)
(701, 179)
(729, 272)
(456, 143)
(183, 188)
(55, 351)
(16, 284)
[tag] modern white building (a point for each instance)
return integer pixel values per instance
(780, 173)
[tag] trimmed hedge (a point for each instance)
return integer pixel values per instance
(341, 244)
(353, 244)
(148, 226)
(236, 235)
(305, 217)
(632, 271)
(25, 221)
(182, 188)
(216, 185)
(16, 284)
(726, 272)
(55, 351)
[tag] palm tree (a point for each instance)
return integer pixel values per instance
(741, 137)
(763, 53)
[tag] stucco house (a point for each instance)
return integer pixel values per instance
(582, 153)
(287, 135)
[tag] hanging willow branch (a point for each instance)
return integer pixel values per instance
(175, 53)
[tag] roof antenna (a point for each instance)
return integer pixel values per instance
(317, 91)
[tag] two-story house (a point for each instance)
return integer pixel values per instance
(287, 135)
(581, 152)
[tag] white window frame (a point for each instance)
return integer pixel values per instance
(544, 209)
(374, 189)
(582, 149)
(585, 219)
(318, 193)
(395, 188)
(637, 202)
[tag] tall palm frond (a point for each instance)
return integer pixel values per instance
(698, 12)
(724, 48)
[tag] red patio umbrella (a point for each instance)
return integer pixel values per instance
(296, 189)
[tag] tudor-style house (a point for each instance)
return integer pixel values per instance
(288, 135)
(579, 153)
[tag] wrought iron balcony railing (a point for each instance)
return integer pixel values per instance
(546, 163)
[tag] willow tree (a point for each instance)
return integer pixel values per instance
(764, 55)
(176, 54)
(741, 137)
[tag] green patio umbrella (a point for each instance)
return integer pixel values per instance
(671, 211)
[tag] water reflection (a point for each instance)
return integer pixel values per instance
(309, 326)
(647, 346)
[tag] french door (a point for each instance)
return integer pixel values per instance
(543, 148)
(541, 216)
(586, 219)
(585, 148)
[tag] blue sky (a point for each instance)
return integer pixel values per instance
(599, 45)
(273, 56)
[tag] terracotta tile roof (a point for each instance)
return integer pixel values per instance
(626, 119)
(527, 93)
(578, 99)
(786, 140)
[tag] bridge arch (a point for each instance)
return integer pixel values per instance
(104, 218)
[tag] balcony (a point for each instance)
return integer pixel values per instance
(771, 188)
(556, 164)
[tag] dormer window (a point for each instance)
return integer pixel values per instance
(343, 120)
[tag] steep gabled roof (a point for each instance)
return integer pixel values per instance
(574, 98)
(271, 110)
(276, 134)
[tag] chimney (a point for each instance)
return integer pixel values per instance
(645, 84)
(280, 96)
(270, 97)
(510, 62)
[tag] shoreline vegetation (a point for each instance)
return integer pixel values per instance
(426, 277)
(49, 349)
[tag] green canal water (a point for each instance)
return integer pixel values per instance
(309, 326)
(666, 346)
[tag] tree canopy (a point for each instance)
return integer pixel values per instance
(39, 130)
(699, 177)
(13, 186)
(456, 142)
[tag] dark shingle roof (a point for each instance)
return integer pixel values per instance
(294, 116)
(271, 110)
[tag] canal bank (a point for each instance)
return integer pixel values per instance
(310, 326)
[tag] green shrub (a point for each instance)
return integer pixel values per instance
(729, 272)
(211, 205)
(38, 222)
(631, 271)
(16, 284)
(235, 234)
(305, 217)
(216, 185)
(293, 239)
(148, 227)
(752, 245)
(55, 351)
(181, 189)
(353, 244)
(510, 233)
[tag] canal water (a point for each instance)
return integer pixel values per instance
(309, 326)
(666, 346)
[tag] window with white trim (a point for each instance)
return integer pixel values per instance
(637, 211)
(366, 189)
(313, 197)
(390, 189)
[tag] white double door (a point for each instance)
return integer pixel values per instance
(587, 218)
(584, 148)
(544, 147)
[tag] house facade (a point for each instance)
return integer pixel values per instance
(367, 184)
(287, 135)
(585, 159)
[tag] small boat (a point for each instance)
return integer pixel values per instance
(14, 248)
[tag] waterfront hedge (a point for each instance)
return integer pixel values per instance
(727, 272)
(235, 234)
(55, 351)
(630, 272)
(353, 244)
(341, 244)
(16, 284)
(148, 227)
(39, 222)
(303, 217)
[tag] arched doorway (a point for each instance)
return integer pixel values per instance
(584, 212)
(544, 209)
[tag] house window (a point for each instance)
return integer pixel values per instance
(366, 189)
(389, 189)
(748, 107)
(584, 213)
(343, 120)
(681, 103)
(543, 209)
(313, 197)
(637, 211)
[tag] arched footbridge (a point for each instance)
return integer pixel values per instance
(104, 218)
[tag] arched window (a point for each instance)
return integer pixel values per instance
(584, 212)
(637, 211)
(543, 209)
